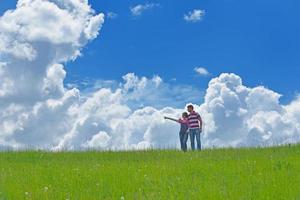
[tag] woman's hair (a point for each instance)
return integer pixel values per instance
(185, 114)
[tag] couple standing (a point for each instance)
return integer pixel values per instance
(191, 124)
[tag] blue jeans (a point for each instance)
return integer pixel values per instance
(195, 133)
(183, 136)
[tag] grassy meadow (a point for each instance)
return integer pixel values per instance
(263, 173)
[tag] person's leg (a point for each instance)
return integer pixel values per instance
(192, 138)
(181, 140)
(184, 141)
(198, 138)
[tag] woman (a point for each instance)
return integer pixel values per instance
(183, 133)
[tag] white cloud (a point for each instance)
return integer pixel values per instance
(31, 54)
(37, 111)
(98, 141)
(240, 116)
(143, 91)
(111, 15)
(194, 16)
(140, 8)
(35, 107)
(201, 71)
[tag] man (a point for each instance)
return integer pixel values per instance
(195, 127)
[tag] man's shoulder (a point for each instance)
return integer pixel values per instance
(194, 113)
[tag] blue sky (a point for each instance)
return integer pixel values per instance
(258, 40)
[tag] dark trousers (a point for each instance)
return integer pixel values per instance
(183, 136)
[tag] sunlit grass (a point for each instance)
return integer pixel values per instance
(270, 173)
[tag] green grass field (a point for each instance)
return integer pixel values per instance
(271, 173)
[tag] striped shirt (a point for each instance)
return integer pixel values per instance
(194, 119)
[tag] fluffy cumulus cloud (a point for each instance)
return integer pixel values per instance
(38, 111)
(240, 116)
(36, 38)
(194, 16)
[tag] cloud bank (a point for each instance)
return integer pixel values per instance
(38, 111)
